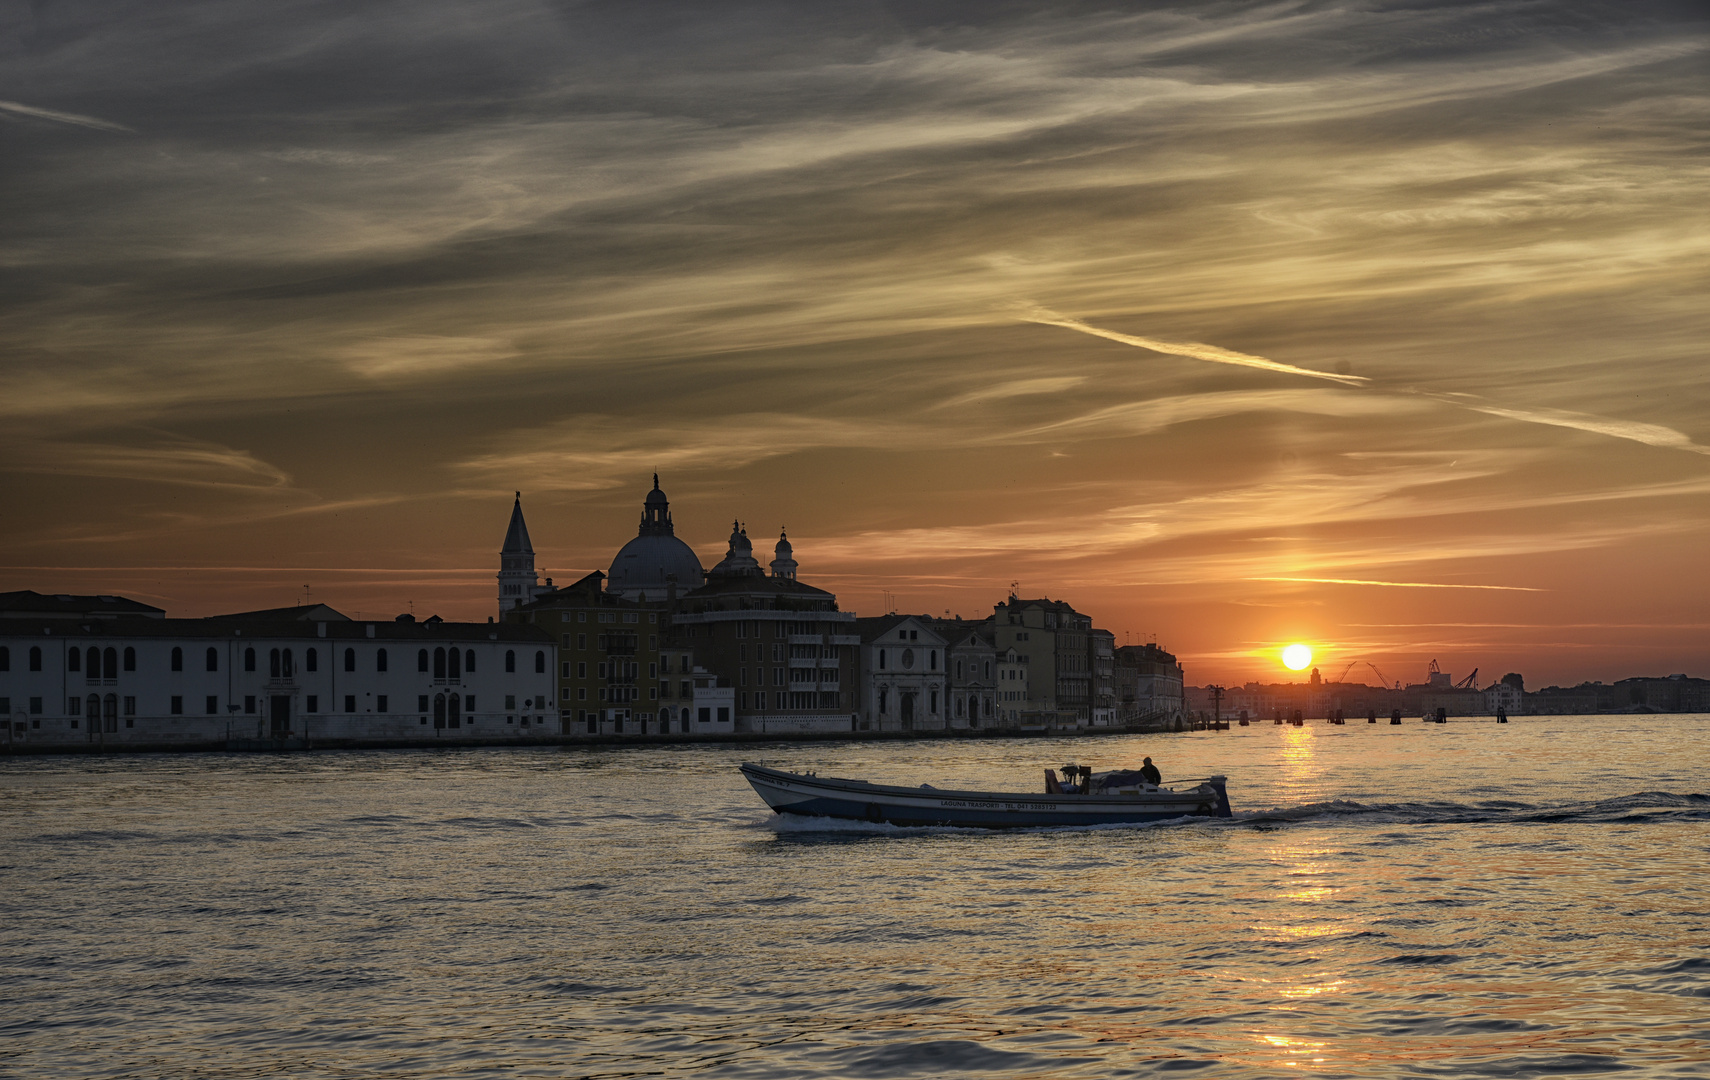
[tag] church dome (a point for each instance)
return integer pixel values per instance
(650, 563)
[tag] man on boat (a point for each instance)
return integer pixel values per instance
(1149, 773)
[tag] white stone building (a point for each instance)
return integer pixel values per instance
(903, 682)
(306, 674)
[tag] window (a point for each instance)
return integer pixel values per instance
(705, 715)
(36, 657)
(884, 700)
(564, 670)
(581, 616)
(421, 703)
(273, 663)
(6, 659)
(249, 704)
(724, 714)
(380, 660)
(601, 670)
(94, 667)
(73, 706)
(468, 703)
(177, 705)
(350, 659)
(540, 663)
(314, 703)
(469, 661)
(684, 689)
(249, 659)
(311, 661)
(130, 660)
(421, 660)
(350, 703)
(130, 707)
(73, 659)
(454, 664)
(213, 659)
(631, 616)
(581, 693)
(109, 664)
(439, 663)
(212, 705)
(511, 660)
(882, 659)
(380, 703)
(36, 706)
(988, 669)
(932, 660)
(581, 641)
(934, 707)
(582, 670)
(607, 617)
(510, 702)
(177, 658)
(777, 676)
(652, 671)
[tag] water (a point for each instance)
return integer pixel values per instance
(1423, 901)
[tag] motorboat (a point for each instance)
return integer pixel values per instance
(1108, 798)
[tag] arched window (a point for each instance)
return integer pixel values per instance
(454, 712)
(93, 670)
(177, 658)
(439, 663)
(73, 660)
(213, 659)
(273, 663)
(35, 658)
(380, 660)
(350, 659)
(664, 721)
(286, 665)
(92, 710)
(510, 659)
(453, 660)
(249, 659)
(540, 663)
(421, 660)
(109, 663)
(469, 660)
(110, 710)
(311, 661)
(130, 658)
(685, 719)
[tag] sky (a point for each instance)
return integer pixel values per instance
(1379, 327)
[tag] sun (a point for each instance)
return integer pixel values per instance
(1296, 657)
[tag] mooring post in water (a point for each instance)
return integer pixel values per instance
(1502, 716)
(1395, 717)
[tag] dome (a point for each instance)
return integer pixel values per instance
(645, 563)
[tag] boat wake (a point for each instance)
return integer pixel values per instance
(1644, 807)
(1640, 807)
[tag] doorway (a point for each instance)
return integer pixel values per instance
(279, 715)
(907, 712)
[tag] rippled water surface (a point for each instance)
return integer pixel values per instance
(1440, 901)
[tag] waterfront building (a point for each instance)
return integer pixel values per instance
(1054, 639)
(518, 581)
(779, 644)
(1507, 695)
(300, 674)
(904, 684)
(970, 666)
(609, 661)
(1014, 703)
(1101, 649)
(1149, 686)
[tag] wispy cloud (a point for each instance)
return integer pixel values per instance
(1398, 584)
(77, 119)
(1193, 349)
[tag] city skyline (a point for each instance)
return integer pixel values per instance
(1375, 329)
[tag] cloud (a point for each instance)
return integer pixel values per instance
(423, 355)
(1637, 431)
(77, 119)
(1193, 350)
(1398, 584)
(165, 459)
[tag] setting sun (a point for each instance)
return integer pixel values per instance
(1296, 657)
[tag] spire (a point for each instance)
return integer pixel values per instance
(517, 579)
(516, 537)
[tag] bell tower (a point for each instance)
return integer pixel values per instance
(517, 579)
